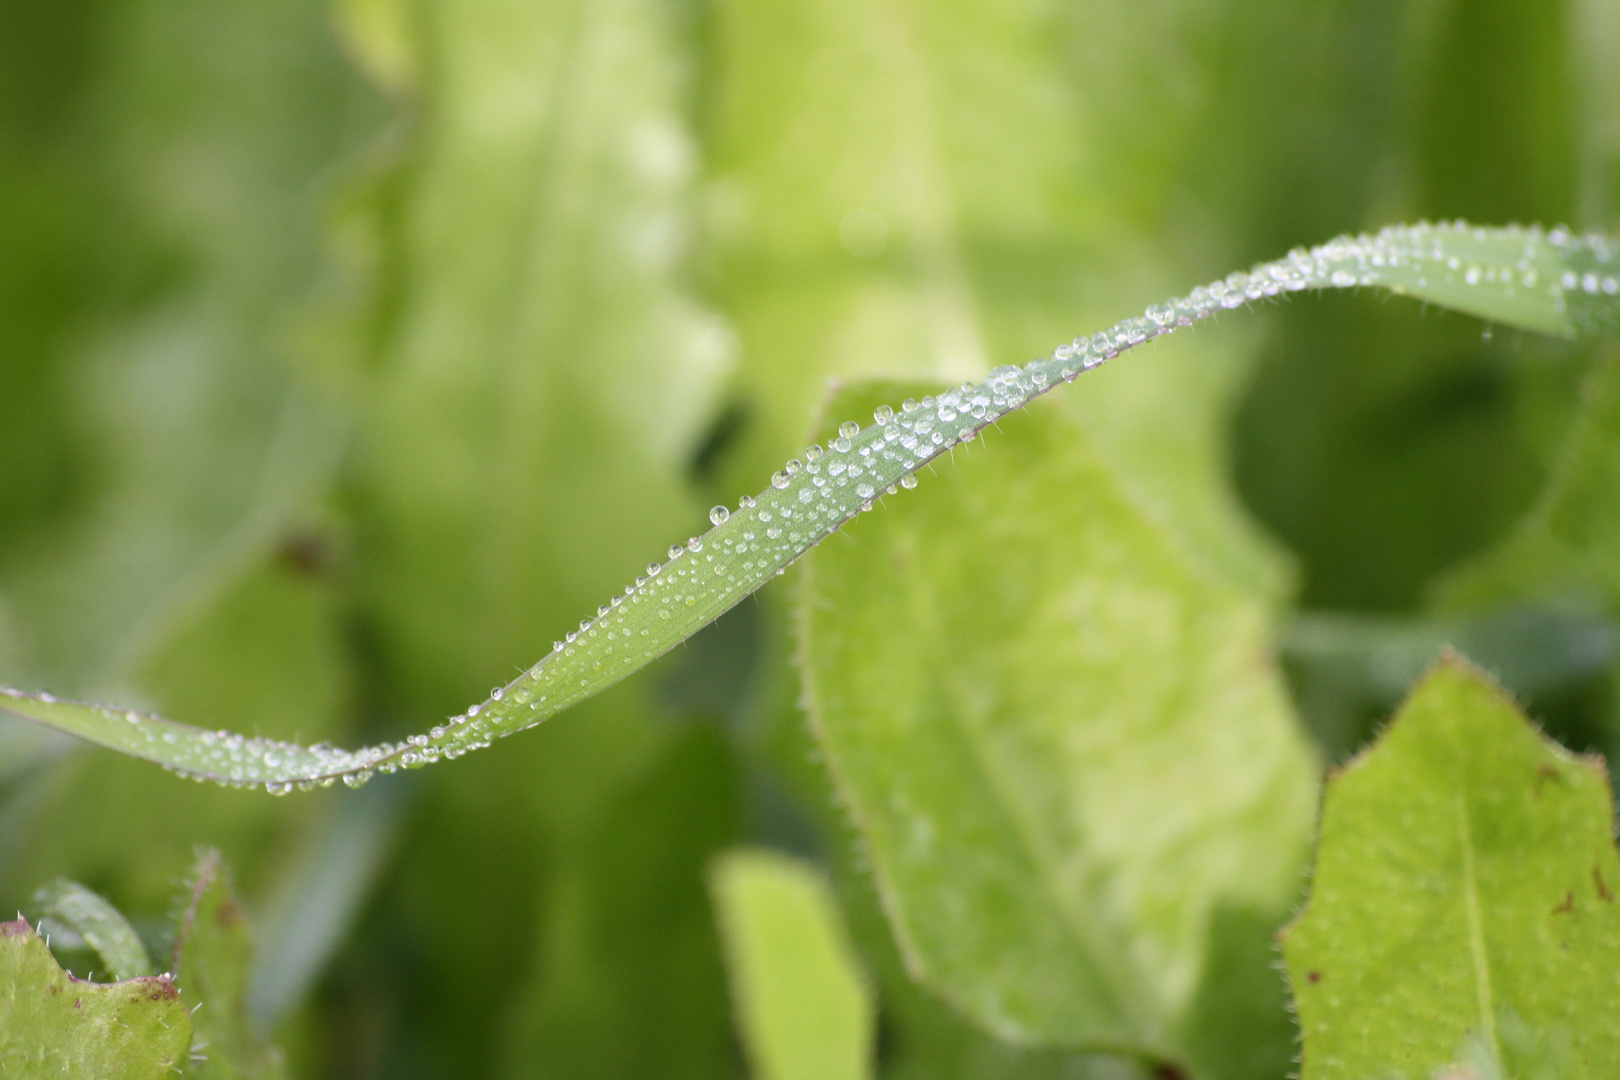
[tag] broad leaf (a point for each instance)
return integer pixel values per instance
(56, 1027)
(802, 1006)
(1053, 832)
(1462, 920)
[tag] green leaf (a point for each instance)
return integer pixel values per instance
(1525, 277)
(1462, 920)
(53, 1026)
(802, 1005)
(212, 954)
(100, 924)
(1062, 743)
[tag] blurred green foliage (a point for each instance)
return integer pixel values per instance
(349, 355)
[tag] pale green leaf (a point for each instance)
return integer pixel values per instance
(802, 1005)
(1462, 920)
(1074, 768)
(1538, 280)
(212, 955)
(101, 926)
(56, 1027)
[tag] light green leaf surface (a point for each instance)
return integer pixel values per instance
(533, 369)
(1540, 281)
(801, 1002)
(1462, 920)
(101, 926)
(212, 955)
(56, 1027)
(1053, 834)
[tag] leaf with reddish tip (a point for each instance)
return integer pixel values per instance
(55, 1026)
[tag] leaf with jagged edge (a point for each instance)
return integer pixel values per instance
(56, 1027)
(1462, 921)
(802, 1005)
(1551, 282)
(101, 926)
(1073, 769)
(212, 955)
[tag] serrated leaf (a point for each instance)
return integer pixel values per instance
(801, 1003)
(101, 925)
(1462, 920)
(212, 955)
(1061, 740)
(1525, 274)
(56, 1027)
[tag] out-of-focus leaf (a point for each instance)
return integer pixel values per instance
(630, 983)
(1054, 833)
(1349, 672)
(800, 1000)
(101, 926)
(212, 954)
(320, 895)
(530, 373)
(152, 575)
(1462, 919)
(53, 1026)
(1566, 549)
(540, 373)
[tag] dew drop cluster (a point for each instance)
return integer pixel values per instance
(1557, 278)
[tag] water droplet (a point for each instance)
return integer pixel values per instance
(849, 429)
(746, 502)
(864, 490)
(695, 544)
(779, 480)
(652, 569)
(719, 514)
(908, 405)
(676, 550)
(794, 467)
(908, 481)
(883, 414)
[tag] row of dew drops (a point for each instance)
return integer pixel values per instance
(813, 496)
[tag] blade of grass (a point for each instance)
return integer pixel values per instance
(1547, 281)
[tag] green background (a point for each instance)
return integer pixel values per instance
(351, 354)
